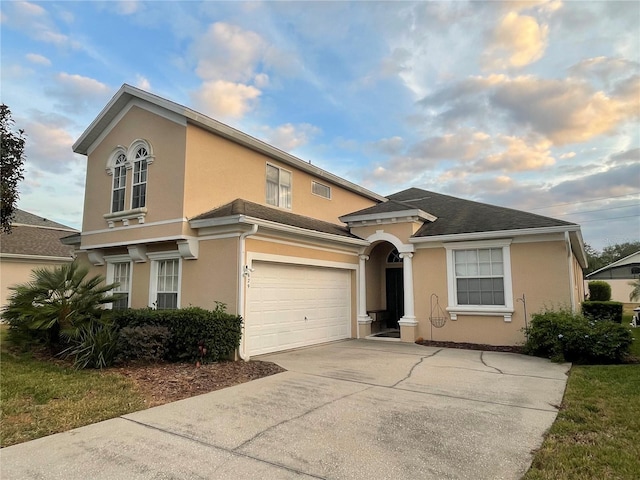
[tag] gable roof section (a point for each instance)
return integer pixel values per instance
(633, 258)
(456, 216)
(32, 235)
(240, 207)
(128, 94)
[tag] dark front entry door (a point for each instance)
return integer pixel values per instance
(395, 296)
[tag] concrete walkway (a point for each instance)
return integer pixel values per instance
(355, 410)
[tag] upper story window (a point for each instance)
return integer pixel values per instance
(139, 196)
(278, 186)
(321, 190)
(119, 183)
(129, 190)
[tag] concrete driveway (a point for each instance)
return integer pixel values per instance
(356, 409)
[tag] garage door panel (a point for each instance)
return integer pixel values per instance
(293, 306)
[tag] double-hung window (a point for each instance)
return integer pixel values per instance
(119, 183)
(119, 271)
(479, 278)
(167, 283)
(139, 196)
(278, 186)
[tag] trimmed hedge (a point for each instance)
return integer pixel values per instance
(218, 331)
(598, 311)
(599, 291)
(565, 336)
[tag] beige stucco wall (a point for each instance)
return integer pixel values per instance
(402, 231)
(223, 171)
(620, 288)
(15, 271)
(165, 187)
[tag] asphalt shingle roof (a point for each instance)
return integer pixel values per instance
(263, 212)
(33, 235)
(459, 216)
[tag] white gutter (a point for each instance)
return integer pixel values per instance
(494, 234)
(572, 285)
(243, 272)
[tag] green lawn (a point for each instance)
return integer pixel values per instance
(597, 433)
(38, 398)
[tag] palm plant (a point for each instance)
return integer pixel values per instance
(635, 293)
(58, 301)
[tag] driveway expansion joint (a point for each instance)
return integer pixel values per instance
(227, 450)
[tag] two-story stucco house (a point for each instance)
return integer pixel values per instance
(185, 211)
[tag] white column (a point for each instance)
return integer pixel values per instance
(409, 317)
(362, 291)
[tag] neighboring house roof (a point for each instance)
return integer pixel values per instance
(32, 235)
(633, 258)
(128, 95)
(240, 207)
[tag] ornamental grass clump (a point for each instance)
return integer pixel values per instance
(562, 335)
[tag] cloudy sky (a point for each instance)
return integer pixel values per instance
(533, 105)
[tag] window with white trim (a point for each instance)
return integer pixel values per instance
(479, 278)
(168, 284)
(139, 194)
(119, 183)
(120, 271)
(321, 190)
(278, 186)
(122, 276)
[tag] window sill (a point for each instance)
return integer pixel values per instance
(476, 310)
(124, 216)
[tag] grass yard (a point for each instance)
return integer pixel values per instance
(597, 433)
(38, 398)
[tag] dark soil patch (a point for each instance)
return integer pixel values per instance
(167, 382)
(472, 346)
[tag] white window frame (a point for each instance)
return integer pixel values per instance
(135, 161)
(111, 261)
(453, 307)
(328, 187)
(279, 196)
(156, 258)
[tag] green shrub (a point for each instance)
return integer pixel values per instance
(147, 343)
(218, 331)
(93, 346)
(599, 291)
(598, 311)
(564, 336)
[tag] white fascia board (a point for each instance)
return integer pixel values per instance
(400, 214)
(615, 264)
(460, 237)
(35, 258)
(243, 219)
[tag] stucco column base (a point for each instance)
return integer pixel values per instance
(408, 329)
(364, 326)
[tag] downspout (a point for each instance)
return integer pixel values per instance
(243, 272)
(572, 285)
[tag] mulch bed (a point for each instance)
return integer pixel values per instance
(472, 346)
(167, 382)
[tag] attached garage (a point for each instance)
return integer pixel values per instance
(290, 306)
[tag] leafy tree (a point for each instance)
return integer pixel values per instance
(609, 254)
(12, 167)
(59, 301)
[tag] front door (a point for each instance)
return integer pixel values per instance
(395, 296)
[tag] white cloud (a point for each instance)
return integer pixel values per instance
(517, 41)
(222, 99)
(128, 7)
(288, 137)
(48, 147)
(76, 93)
(520, 154)
(143, 82)
(38, 59)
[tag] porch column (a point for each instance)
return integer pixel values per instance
(364, 320)
(408, 323)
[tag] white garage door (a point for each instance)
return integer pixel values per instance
(290, 306)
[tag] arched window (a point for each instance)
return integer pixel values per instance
(140, 164)
(394, 256)
(119, 182)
